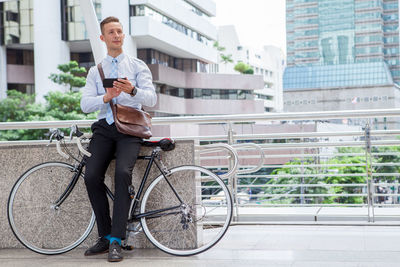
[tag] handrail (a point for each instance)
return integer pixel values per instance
(289, 116)
(319, 147)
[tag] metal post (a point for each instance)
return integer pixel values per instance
(302, 189)
(368, 167)
(233, 179)
(93, 29)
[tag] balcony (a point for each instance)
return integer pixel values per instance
(180, 13)
(177, 78)
(197, 106)
(149, 33)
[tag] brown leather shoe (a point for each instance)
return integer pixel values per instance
(100, 247)
(114, 252)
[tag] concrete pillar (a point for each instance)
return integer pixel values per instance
(120, 9)
(3, 72)
(49, 49)
(93, 28)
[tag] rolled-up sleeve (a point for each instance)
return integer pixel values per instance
(146, 93)
(91, 101)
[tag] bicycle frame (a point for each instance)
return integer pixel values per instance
(71, 185)
(135, 201)
(154, 213)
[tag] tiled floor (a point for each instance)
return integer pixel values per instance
(255, 245)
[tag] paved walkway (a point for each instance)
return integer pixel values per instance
(254, 245)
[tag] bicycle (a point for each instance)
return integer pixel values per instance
(178, 220)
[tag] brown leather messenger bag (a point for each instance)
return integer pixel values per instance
(129, 120)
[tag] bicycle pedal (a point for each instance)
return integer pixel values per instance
(127, 247)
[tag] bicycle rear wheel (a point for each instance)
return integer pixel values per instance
(34, 219)
(197, 223)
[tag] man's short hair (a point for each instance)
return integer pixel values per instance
(108, 20)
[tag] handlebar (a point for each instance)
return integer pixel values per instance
(79, 144)
(59, 136)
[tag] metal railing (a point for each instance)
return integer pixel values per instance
(301, 164)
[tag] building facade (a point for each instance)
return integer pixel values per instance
(175, 38)
(268, 62)
(342, 54)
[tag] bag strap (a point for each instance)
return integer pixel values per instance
(101, 72)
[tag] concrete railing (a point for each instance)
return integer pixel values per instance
(15, 159)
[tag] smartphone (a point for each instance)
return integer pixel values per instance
(109, 82)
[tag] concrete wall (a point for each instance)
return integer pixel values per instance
(198, 106)
(16, 159)
(341, 99)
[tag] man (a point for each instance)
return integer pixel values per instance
(134, 90)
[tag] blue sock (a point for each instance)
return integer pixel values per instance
(112, 239)
(108, 237)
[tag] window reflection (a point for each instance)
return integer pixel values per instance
(197, 93)
(16, 22)
(142, 10)
(73, 24)
(152, 56)
(332, 32)
(195, 9)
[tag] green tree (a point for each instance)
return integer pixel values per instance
(21, 107)
(243, 68)
(387, 157)
(66, 106)
(71, 75)
(249, 71)
(59, 106)
(295, 174)
(361, 169)
(226, 58)
(337, 175)
(218, 47)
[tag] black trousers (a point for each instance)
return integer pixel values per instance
(106, 144)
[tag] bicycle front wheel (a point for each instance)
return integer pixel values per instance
(37, 222)
(202, 213)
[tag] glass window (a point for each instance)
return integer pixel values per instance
(143, 10)
(195, 9)
(16, 22)
(73, 24)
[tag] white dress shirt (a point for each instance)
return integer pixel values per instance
(132, 68)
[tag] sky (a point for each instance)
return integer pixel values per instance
(257, 22)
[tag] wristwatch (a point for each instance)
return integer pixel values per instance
(134, 91)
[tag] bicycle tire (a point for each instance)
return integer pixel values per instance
(207, 218)
(34, 220)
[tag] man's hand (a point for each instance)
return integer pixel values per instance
(111, 93)
(124, 85)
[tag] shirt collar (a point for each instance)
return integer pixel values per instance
(119, 58)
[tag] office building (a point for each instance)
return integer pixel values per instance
(268, 62)
(175, 38)
(342, 54)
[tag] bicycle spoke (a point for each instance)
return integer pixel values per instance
(51, 230)
(188, 232)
